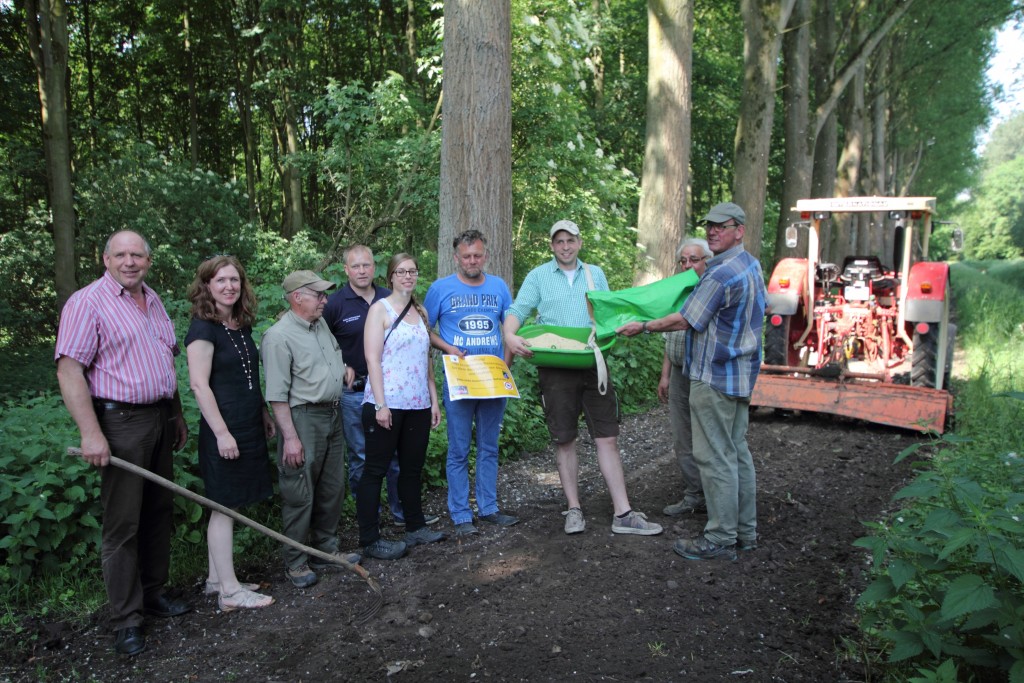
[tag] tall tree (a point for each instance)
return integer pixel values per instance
(763, 23)
(476, 130)
(47, 23)
(661, 223)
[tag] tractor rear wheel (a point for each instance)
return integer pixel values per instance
(931, 359)
(776, 342)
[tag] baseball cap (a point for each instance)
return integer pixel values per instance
(720, 213)
(566, 225)
(305, 278)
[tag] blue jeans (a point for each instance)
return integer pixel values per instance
(352, 420)
(488, 413)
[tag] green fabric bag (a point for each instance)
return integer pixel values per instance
(649, 302)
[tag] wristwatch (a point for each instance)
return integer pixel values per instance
(379, 407)
(646, 331)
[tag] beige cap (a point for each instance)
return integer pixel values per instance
(566, 225)
(305, 278)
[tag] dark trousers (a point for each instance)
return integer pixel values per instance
(409, 434)
(137, 514)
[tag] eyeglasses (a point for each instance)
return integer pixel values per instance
(719, 227)
(402, 272)
(692, 259)
(318, 295)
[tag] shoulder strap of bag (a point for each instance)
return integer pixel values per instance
(602, 367)
(397, 320)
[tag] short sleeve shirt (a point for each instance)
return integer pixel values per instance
(302, 362)
(557, 301)
(128, 353)
(345, 315)
(726, 313)
(469, 316)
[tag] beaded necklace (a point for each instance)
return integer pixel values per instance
(246, 361)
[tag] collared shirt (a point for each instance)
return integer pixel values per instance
(726, 312)
(128, 353)
(557, 301)
(302, 362)
(345, 315)
(469, 316)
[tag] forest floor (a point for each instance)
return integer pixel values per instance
(528, 603)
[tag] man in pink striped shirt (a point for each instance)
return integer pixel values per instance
(115, 365)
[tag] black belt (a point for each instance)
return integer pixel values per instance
(325, 404)
(102, 405)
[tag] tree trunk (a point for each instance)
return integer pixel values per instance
(47, 24)
(799, 142)
(763, 22)
(193, 105)
(848, 181)
(476, 131)
(661, 223)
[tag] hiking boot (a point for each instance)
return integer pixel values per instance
(686, 507)
(422, 536)
(317, 564)
(634, 523)
(746, 543)
(383, 549)
(428, 519)
(701, 548)
(500, 519)
(574, 522)
(302, 576)
(465, 529)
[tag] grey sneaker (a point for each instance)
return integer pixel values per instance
(316, 564)
(574, 522)
(746, 543)
(383, 549)
(465, 529)
(686, 507)
(302, 576)
(701, 548)
(635, 523)
(500, 519)
(422, 536)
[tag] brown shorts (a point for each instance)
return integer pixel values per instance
(566, 393)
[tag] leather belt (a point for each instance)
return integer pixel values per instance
(324, 404)
(102, 405)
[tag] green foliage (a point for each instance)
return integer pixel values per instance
(186, 214)
(948, 567)
(992, 216)
(26, 269)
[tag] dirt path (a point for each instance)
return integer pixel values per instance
(531, 604)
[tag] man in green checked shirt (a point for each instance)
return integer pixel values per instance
(557, 291)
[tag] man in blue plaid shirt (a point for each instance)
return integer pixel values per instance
(724, 314)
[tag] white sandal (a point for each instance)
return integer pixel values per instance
(213, 587)
(246, 598)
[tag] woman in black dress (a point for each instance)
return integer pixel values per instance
(224, 372)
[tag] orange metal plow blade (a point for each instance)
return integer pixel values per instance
(898, 405)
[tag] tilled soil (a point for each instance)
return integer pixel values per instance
(528, 603)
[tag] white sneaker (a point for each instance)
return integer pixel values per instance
(574, 522)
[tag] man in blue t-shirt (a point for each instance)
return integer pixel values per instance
(468, 308)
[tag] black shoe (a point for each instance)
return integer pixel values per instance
(129, 641)
(383, 549)
(163, 606)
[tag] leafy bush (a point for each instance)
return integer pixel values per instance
(948, 592)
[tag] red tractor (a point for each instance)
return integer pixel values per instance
(860, 338)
